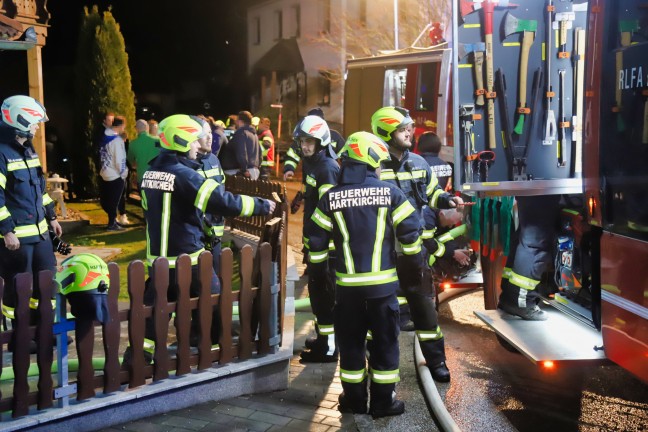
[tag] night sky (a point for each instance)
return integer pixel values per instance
(167, 42)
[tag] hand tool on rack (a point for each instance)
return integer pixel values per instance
(562, 23)
(528, 28)
(563, 124)
(577, 118)
(477, 50)
(550, 116)
(485, 159)
(519, 164)
(466, 114)
(507, 136)
(626, 29)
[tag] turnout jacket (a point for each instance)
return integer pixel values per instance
(413, 176)
(365, 220)
(25, 206)
(320, 174)
(174, 198)
(293, 155)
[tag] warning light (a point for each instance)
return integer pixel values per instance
(591, 205)
(447, 285)
(548, 364)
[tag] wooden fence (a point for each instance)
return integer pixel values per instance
(260, 300)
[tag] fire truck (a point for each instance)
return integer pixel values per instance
(537, 99)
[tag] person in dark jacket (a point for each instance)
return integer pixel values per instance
(429, 147)
(364, 217)
(244, 146)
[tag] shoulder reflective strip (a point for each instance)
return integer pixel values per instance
(291, 164)
(311, 181)
(346, 249)
(440, 249)
(412, 249)
(506, 272)
(415, 174)
(47, 199)
(318, 257)
(426, 335)
(323, 189)
(523, 281)
(353, 377)
(371, 278)
(4, 213)
(248, 205)
(3, 181)
(428, 234)
(172, 260)
(381, 223)
(291, 153)
(144, 203)
(322, 220)
(325, 329)
(435, 197)
(387, 174)
(402, 212)
(205, 191)
(9, 312)
(625, 304)
(385, 377)
(166, 222)
(30, 230)
(401, 300)
(31, 163)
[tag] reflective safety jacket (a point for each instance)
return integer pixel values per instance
(25, 206)
(435, 239)
(267, 148)
(174, 198)
(293, 155)
(210, 168)
(413, 176)
(365, 220)
(320, 174)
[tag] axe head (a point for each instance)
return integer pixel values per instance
(466, 7)
(465, 49)
(514, 25)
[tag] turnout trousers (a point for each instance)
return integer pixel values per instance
(321, 289)
(354, 316)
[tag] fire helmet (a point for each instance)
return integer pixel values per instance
(178, 131)
(21, 112)
(388, 119)
(366, 148)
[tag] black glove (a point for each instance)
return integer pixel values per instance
(296, 202)
(59, 245)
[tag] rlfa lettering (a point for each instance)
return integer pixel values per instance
(158, 180)
(374, 196)
(631, 78)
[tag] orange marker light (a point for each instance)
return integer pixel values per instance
(447, 285)
(548, 364)
(591, 204)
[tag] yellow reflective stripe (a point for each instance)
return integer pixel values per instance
(9, 312)
(248, 205)
(435, 197)
(506, 272)
(311, 181)
(149, 345)
(293, 154)
(322, 220)
(387, 174)
(428, 234)
(33, 303)
(317, 257)
(353, 377)
(4, 213)
(30, 230)
(47, 199)
(426, 335)
(385, 377)
(381, 224)
(218, 230)
(205, 191)
(431, 260)
(166, 222)
(267, 163)
(172, 260)
(440, 250)
(369, 335)
(323, 189)
(325, 329)
(346, 249)
(3, 181)
(523, 281)
(331, 245)
(291, 164)
(210, 172)
(144, 201)
(413, 248)
(402, 212)
(18, 165)
(369, 278)
(637, 227)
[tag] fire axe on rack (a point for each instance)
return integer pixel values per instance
(477, 50)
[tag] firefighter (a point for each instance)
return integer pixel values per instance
(174, 198)
(26, 210)
(364, 217)
(320, 172)
(84, 280)
(410, 173)
(266, 139)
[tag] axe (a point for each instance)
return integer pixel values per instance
(478, 57)
(528, 28)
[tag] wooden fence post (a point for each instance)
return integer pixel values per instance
(21, 340)
(265, 268)
(245, 303)
(205, 312)
(183, 314)
(161, 318)
(225, 307)
(136, 286)
(44, 337)
(110, 333)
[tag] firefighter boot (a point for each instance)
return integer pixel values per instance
(346, 405)
(396, 407)
(440, 372)
(324, 350)
(533, 313)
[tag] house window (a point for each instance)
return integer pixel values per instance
(296, 11)
(256, 28)
(324, 88)
(278, 25)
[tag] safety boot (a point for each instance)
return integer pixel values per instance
(318, 356)
(533, 313)
(347, 406)
(440, 372)
(397, 407)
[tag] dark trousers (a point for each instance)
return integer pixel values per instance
(172, 296)
(321, 290)
(29, 258)
(354, 315)
(110, 193)
(421, 301)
